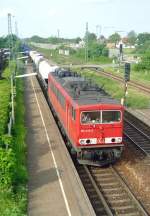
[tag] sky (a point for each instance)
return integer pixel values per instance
(46, 17)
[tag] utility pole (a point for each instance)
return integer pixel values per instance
(15, 49)
(16, 29)
(58, 33)
(86, 43)
(10, 36)
(98, 30)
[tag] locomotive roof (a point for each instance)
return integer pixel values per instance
(81, 89)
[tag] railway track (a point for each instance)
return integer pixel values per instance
(140, 124)
(108, 192)
(100, 70)
(134, 84)
(137, 132)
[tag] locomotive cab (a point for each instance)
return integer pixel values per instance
(100, 135)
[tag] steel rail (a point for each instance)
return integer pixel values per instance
(100, 188)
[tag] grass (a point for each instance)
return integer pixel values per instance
(60, 59)
(142, 77)
(129, 51)
(134, 99)
(100, 60)
(13, 195)
(74, 59)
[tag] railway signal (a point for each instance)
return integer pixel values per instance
(127, 69)
(121, 51)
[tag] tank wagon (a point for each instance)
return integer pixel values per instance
(42, 67)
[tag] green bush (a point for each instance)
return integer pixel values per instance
(6, 141)
(13, 205)
(7, 167)
(145, 62)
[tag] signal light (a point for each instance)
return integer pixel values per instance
(121, 48)
(127, 72)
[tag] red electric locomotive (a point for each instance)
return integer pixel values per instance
(90, 118)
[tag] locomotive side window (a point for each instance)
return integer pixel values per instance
(91, 117)
(58, 94)
(73, 113)
(111, 116)
(62, 101)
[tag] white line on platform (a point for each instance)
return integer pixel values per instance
(54, 160)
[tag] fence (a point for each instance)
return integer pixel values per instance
(13, 93)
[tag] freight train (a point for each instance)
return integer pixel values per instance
(91, 120)
(4, 55)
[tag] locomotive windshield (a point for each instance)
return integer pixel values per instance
(100, 117)
(111, 116)
(91, 117)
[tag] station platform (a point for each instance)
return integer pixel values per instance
(54, 187)
(142, 114)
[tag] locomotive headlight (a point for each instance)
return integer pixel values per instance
(113, 139)
(88, 141)
(119, 139)
(82, 141)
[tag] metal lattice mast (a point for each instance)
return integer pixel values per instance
(10, 32)
(10, 36)
(86, 43)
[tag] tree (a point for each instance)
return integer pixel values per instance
(77, 40)
(91, 37)
(38, 39)
(132, 37)
(143, 37)
(13, 38)
(96, 50)
(114, 38)
(131, 34)
(3, 42)
(143, 48)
